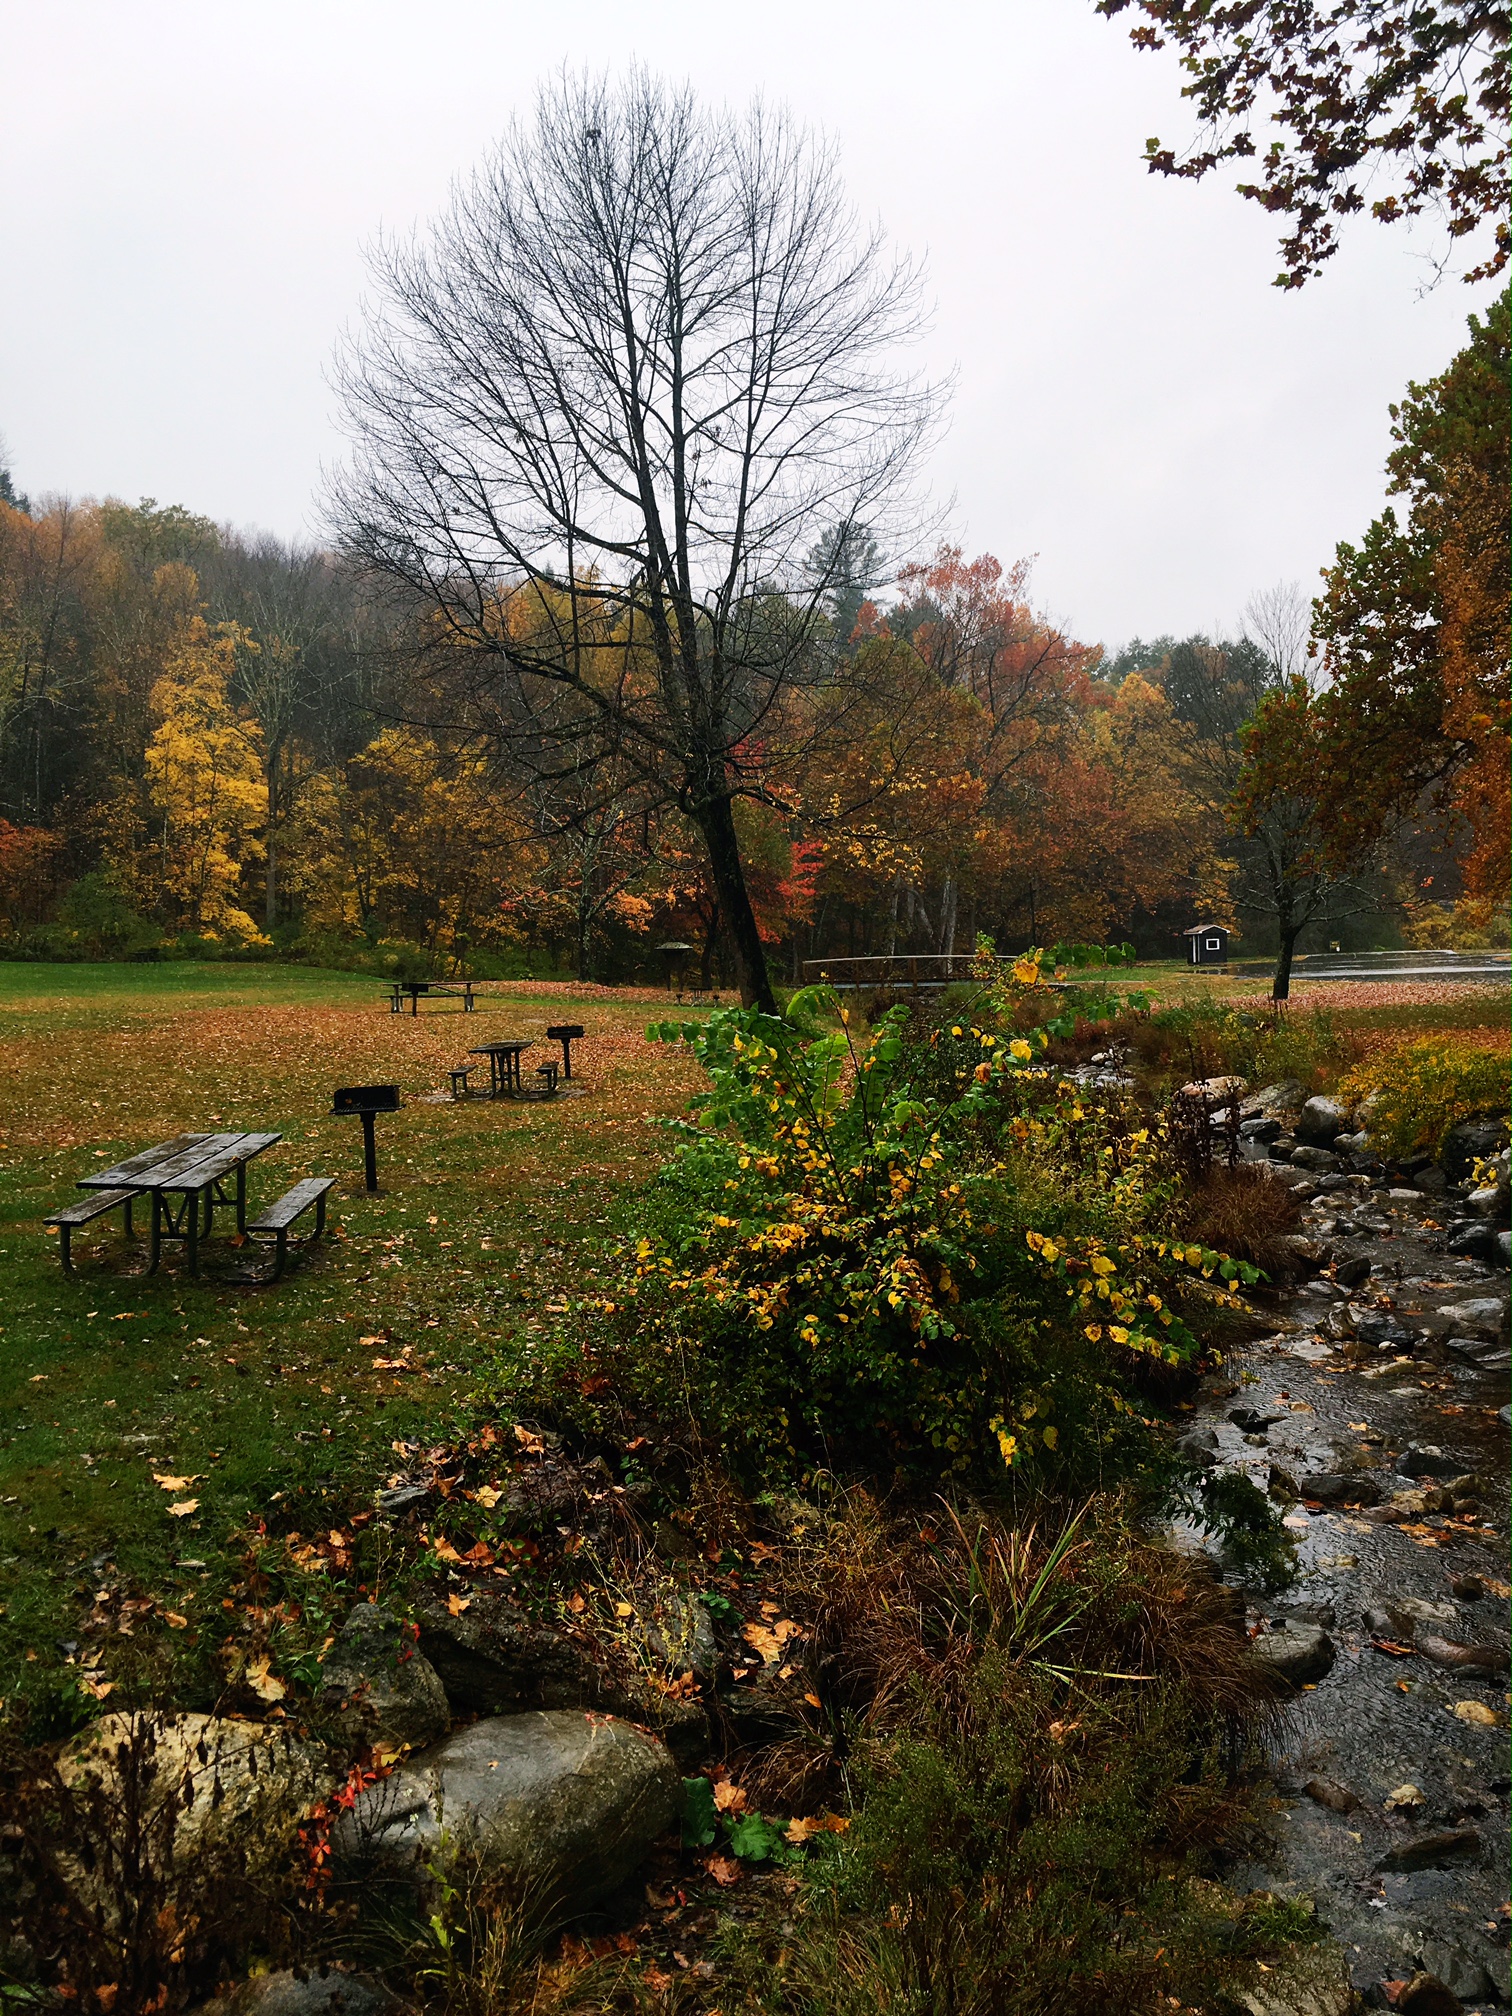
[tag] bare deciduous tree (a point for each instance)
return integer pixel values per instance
(605, 411)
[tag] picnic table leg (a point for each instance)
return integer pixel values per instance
(192, 1213)
(155, 1248)
(241, 1198)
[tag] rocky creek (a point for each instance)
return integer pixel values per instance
(1376, 1416)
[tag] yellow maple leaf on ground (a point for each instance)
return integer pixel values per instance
(728, 1797)
(798, 1831)
(184, 1507)
(263, 1681)
(166, 1483)
(487, 1495)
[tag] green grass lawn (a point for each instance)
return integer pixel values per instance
(253, 1391)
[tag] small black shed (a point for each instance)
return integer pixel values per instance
(1207, 945)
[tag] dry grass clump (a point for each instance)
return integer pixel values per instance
(1042, 1728)
(908, 1610)
(1244, 1213)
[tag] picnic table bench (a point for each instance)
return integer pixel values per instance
(415, 988)
(292, 1205)
(83, 1213)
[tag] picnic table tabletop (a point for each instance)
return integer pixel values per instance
(195, 1167)
(187, 1162)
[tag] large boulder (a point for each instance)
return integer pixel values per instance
(323, 1993)
(1304, 1981)
(1485, 1316)
(1285, 1096)
(198, 1801)
(384, 1689)
(1321, 1121)
(1322, 1161)
(1476, 1240)
(493, 1659)
(1469, 1141)
(224, 1776)
(561, 1804)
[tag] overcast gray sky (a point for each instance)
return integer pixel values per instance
(190, 184)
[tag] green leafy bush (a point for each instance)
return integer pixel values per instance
(1412, 1094)
(920, 1252)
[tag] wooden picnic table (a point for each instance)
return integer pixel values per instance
(194, 1168)
(415, 988)
(504, 1081)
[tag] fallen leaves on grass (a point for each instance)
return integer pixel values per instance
(184, 1507)
(165, 1483)
(799, 1831)
(723, 1868)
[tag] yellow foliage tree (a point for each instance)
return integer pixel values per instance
(205, 783)
(411, 840)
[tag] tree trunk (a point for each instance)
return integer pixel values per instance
(1281, 986)
(716, 821)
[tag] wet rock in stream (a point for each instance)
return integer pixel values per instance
(1300, 1653)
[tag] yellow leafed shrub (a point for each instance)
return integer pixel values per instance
(1411, 1095)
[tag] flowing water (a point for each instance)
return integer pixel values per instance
(1387, 1719)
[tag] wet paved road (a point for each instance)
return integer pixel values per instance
(1383, 1720)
